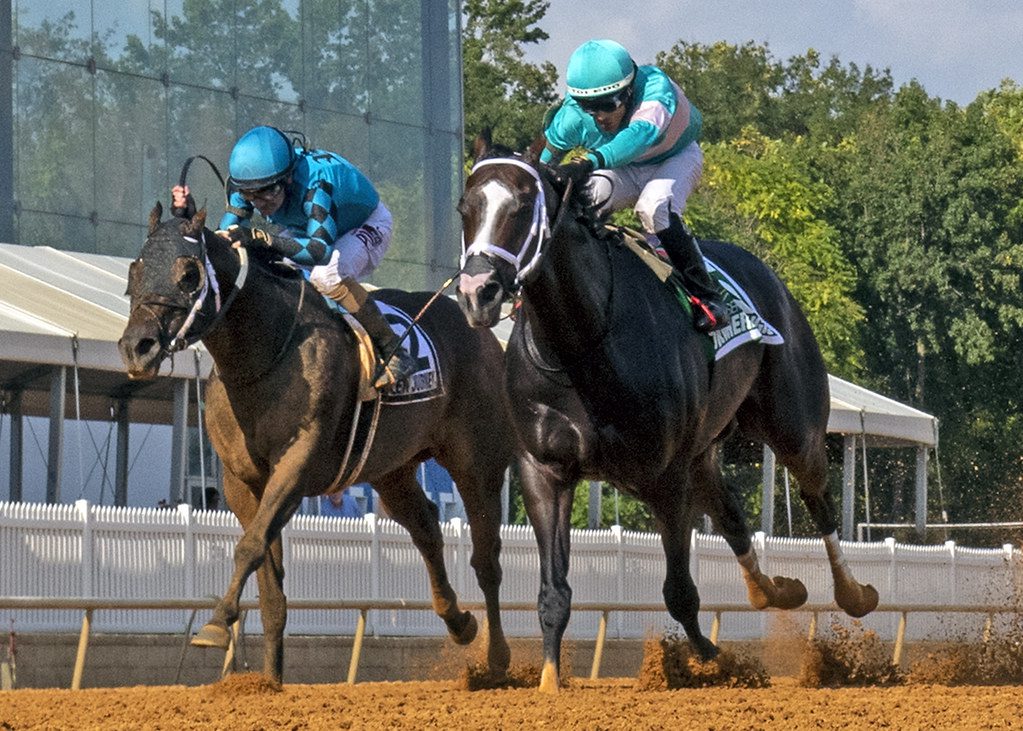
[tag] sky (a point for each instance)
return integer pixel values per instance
(955, 50)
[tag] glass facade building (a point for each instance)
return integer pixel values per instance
(101, 102)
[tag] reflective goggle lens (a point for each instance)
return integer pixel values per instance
(605, 104)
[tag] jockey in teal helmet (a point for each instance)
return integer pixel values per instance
(641, 132)
(333, 225)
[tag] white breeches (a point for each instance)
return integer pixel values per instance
(652, 190)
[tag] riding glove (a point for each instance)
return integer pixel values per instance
(254, 238)
(578, 170)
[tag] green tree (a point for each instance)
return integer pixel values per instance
(757, 192)
(929, 214)
(501, 91)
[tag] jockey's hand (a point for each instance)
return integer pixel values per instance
(182, 203)
(250, 238)
(578, 170)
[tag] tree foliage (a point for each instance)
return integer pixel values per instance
(502, 91)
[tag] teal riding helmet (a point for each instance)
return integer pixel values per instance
(598, 68)
(261, 157)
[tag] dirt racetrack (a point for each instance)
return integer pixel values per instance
(244, 702)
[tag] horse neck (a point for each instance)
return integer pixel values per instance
(251, 334)
(568, 300)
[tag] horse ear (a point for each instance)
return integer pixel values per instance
(484, 141)
(193, 226)
(154, 217)
(533, 151)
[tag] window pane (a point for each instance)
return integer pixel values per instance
(335, 55)
(131, 133)
(396, 61)
(126, 38)
(53, 136)
(202, 123)
(53, 29)
(69, 233)
(346, 135)
(121, 239)
(397, 171)
(269, 41)
(202, 47)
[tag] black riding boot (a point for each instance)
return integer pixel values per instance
(708, 309)
(399, 364)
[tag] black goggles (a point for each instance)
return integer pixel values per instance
(607, 103)
(265, 193)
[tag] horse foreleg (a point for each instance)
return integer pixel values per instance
(408, 505)
(681, 597)
(273, 609)
(272, 513)
(548, 501)
(483, 508)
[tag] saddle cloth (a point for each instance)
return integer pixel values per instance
(745, 324)
(426, 383)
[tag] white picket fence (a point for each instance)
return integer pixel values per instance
(83, 550)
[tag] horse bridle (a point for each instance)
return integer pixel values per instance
(540, 231)
(183, 338)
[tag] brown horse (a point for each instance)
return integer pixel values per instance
(279, 411)
(608, 380)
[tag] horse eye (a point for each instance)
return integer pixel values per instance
(188, 275)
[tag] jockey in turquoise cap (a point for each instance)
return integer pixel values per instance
(333, 225)
(641, 132)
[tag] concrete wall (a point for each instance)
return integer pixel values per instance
(48, 660)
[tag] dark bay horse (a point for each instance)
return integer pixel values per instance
(279, 413)
(608, 380)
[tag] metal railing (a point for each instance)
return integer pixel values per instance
(89, 606)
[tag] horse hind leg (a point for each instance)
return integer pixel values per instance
(481, 496)
(720, 502)
(810, 470)
(408, 505)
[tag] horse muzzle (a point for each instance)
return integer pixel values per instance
(480, 297)
(141, 351)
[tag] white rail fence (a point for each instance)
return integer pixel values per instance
(100, 552)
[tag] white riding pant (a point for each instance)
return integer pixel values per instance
(652, 190)
(356, 253)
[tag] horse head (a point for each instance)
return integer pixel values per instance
(506, 215)
(168, 285)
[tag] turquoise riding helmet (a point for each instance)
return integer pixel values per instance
(599, 68)
(261, 157)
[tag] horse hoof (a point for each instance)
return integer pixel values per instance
(549, 678)
(499, 660)
(791, 593)
(212, 635)
(861, 602)
(468, 631)
(705, 649)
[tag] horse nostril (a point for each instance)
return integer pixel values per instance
(490, 291)
(144, 346)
